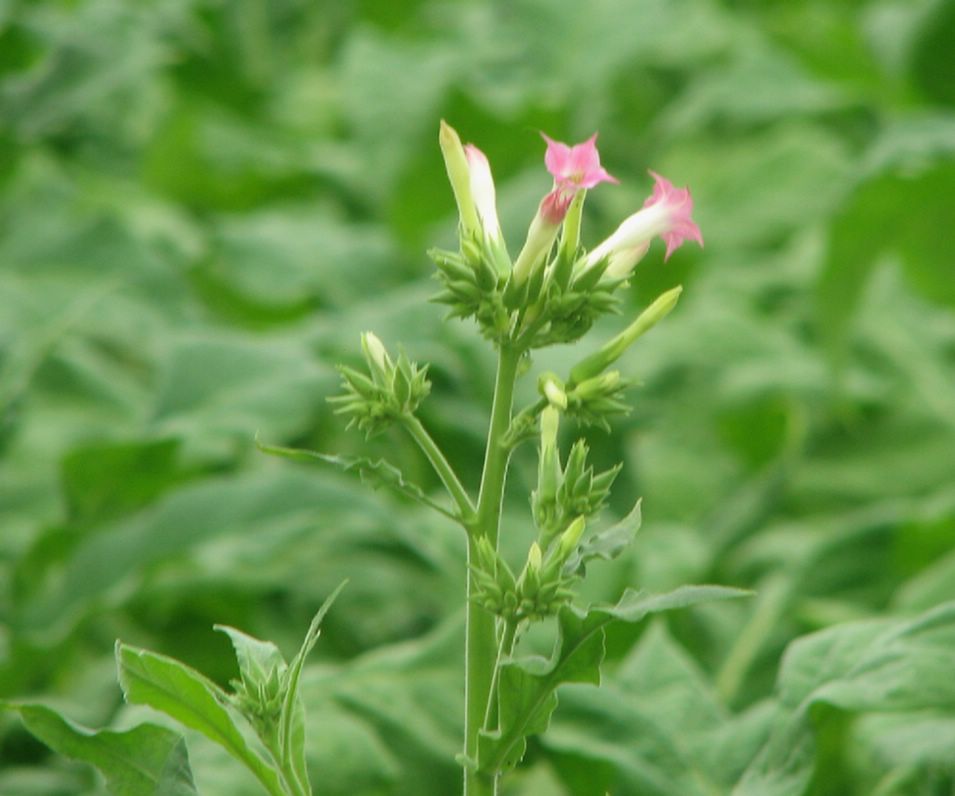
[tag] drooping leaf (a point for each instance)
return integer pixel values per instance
(181, 692)
(528, 687)
(147, 759)
(376, 473)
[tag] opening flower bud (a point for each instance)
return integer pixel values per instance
(482, 192)
(540, 236)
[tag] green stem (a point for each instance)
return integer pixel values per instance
(506, 647)
(496, 455)
(481, 644)
(441, 466)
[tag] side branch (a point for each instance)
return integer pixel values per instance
(442, 467)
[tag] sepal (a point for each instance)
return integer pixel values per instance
(565, 313)
(594, 401)
(472, 286)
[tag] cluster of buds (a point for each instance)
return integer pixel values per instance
(260, 703)
(554, 290)
(592, 393)
(565, 492)
(542, 587)
(258, 695)
(590, 402)
(388, 391)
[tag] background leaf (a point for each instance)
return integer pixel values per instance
(145, 759)
(204, 204)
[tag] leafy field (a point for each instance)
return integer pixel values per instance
(204, 203)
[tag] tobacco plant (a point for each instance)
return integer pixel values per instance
(551, 293)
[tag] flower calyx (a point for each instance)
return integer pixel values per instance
(388, 391)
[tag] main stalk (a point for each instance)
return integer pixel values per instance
(481, 643)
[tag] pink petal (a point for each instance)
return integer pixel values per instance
(576, 167)
(584, 157)
(475, 155)
(557, 157)
(679, 205)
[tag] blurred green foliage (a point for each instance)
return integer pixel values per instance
(203, 203)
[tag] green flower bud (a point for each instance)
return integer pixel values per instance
(596, 363)
(576, 469)
(379, 363)
(604, 384)
(394, 390)
(534, 557)
(548, 471)
(570, 538)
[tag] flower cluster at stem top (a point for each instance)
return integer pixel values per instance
(553, 290)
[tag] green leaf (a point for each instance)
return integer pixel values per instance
(184, 694)
(376, 473)
(528, 687)
(102, 481)
(860, 667)
(144, 760)
(389, 721)
(657, 724)
(292, 721)
(606, 544)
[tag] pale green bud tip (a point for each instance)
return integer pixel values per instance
(534, 557)
(663, 304)
(375, 350)
(554, 394)
(571, 537)
(459, 175)
(661, 307)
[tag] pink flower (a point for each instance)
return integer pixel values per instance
(665, 213)
(575, 167)
(678, 204)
